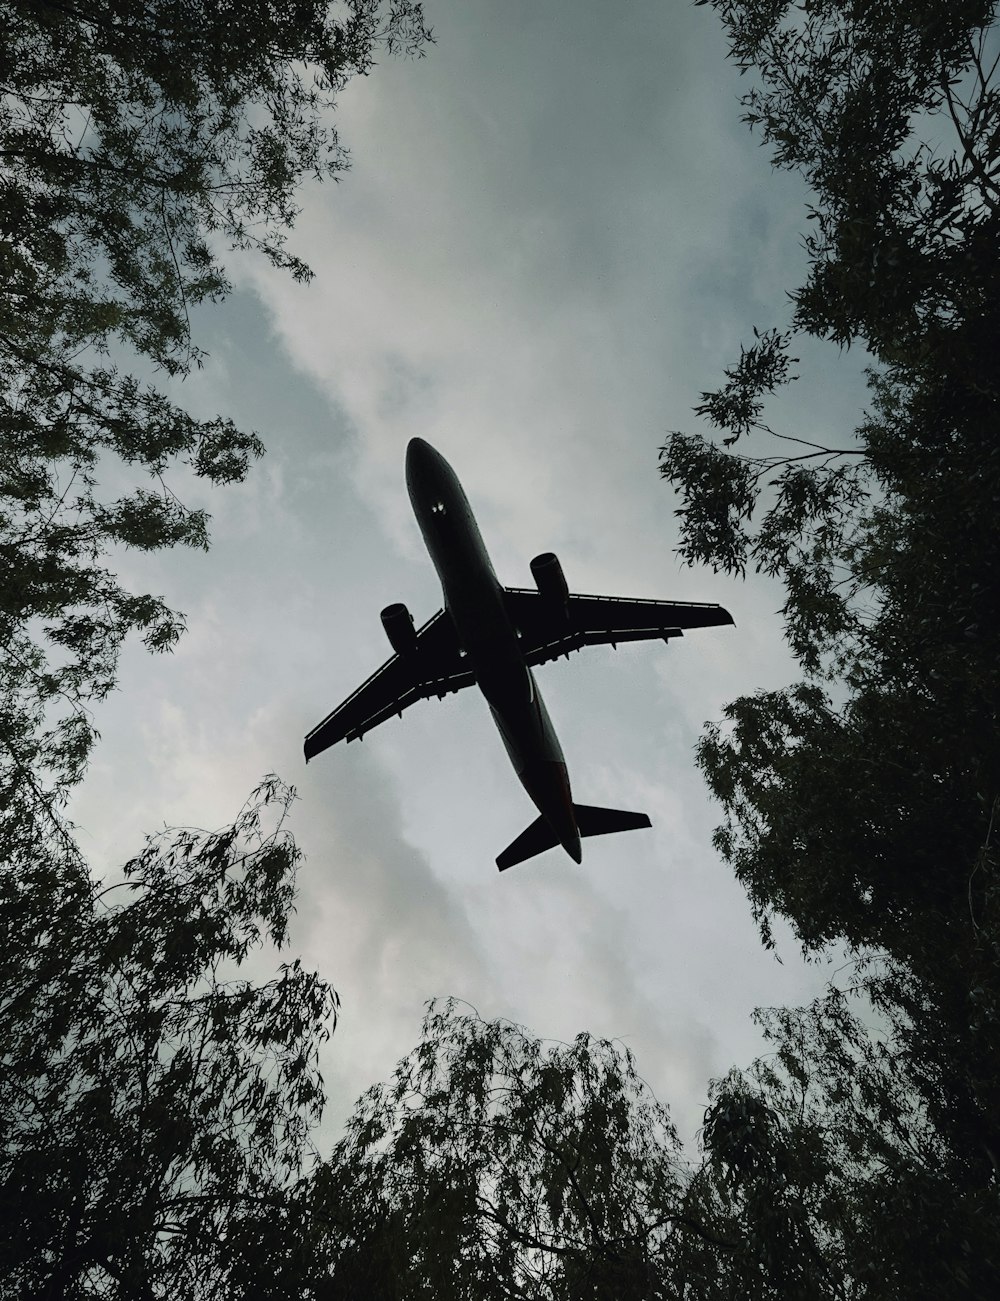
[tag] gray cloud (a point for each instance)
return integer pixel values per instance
(554, 237)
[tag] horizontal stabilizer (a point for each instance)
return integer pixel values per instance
(593, 821)
(590, 821)
(533, 840)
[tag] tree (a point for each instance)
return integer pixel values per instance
(155, 1104)
(138, 140)
(842, 1184)
(495, 1165)
(861, 803)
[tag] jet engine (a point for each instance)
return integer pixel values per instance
(550, 581)
(398, 624)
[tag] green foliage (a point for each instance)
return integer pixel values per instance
(843, 88)
(138, 142)
(861, 803)
(837, 108)
(495, 1165)
(845, 1185)
(155, 1105)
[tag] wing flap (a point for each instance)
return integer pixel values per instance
(547, 631)
(560, 646)
(435, 667)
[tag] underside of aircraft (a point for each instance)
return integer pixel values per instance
(492, 637)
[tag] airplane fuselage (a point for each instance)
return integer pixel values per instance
(474, 599)
(492, 637)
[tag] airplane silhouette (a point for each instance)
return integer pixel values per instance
(492, 636)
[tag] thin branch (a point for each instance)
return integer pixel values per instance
(833, 451)
(978, 170)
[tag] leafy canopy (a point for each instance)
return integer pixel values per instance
(496, 1165)
(138, 143)
(155, 1102)
(861, 803)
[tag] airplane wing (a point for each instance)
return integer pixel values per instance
(548, 629)
(434, 667)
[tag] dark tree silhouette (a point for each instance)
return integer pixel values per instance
(138, 140)
(155, 1103)
(861, 803)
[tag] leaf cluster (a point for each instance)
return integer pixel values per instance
(845, 1185)
(842, 92)
(860, 804)
(138, 143)
(496, 1165)
(155, 1104)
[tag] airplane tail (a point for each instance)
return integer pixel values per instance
(534, 839)
(590, 820)
(594, 821)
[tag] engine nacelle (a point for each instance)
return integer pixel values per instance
(550, 581)
(398, 624)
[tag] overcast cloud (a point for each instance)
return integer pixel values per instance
(554, 235)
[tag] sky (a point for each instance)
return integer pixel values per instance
(554, 235)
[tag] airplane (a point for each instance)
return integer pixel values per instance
(492, 637)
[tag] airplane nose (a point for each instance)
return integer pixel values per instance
(418, 453)
(427, 472)
(419, 459)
